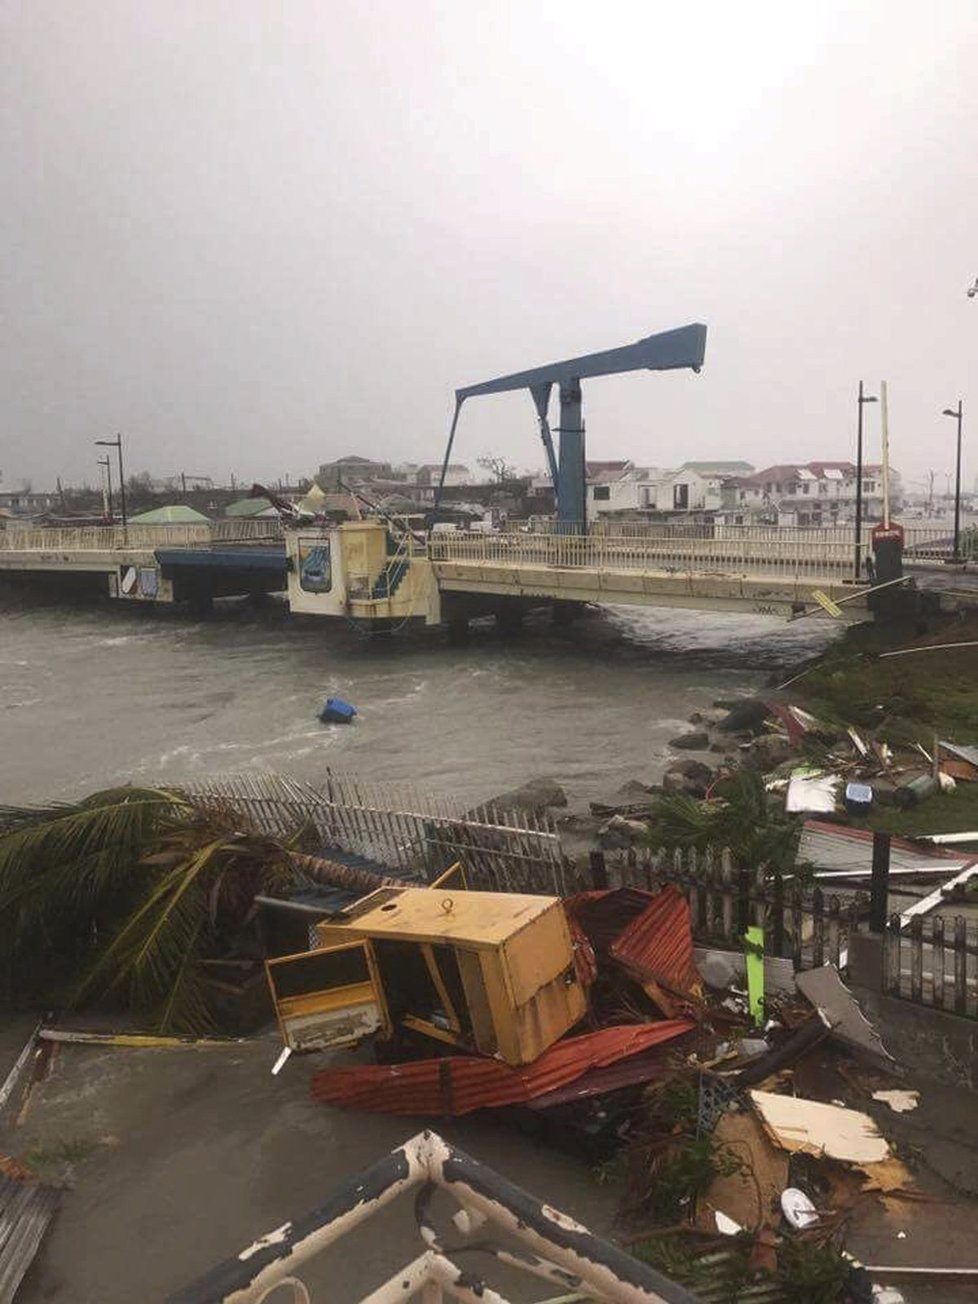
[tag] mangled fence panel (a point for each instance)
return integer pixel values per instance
(933, 961)
(800, 923)
(395, 825)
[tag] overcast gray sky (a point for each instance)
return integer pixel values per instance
(254, 236)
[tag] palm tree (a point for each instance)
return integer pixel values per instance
(739, 817)
(125, 894)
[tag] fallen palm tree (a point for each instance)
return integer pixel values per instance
(129, 894)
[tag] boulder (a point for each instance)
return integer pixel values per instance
(634, 790)
(768, 752)
(621, 832)
(748, 715)
(535, 796)
(691, 778)
(691, 742)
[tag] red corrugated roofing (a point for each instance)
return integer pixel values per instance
(460, 1084)
(658, 944)
(604, 914)
(649, 1066)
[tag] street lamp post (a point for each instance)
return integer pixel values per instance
(104, 461)
(117, 445)
(862, 400)
(957, 414)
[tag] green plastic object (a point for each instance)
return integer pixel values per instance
(754, 959)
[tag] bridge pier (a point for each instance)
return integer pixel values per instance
(564, 614)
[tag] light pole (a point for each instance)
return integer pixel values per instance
(957, 413)
(104, 461)
(117, 445)
(862, 400)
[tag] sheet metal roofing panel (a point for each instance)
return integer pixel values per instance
(26, 1208)
(459, 1084)
(837, 847)
(603, 915)
(658, 943)
(651, 1065)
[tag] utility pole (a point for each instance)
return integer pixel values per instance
(958, 414)
(107, 488)
(117, 445)
(861, 401)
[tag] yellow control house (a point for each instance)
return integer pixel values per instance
(486, 971)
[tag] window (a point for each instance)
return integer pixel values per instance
(601, 493)
(869, 486)
(822, 487)
(806, 488)
(680, 496)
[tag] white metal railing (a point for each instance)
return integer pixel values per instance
(753, 549)
(107, 538)
(610, 553)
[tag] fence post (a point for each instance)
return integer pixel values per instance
(777, 940)
(880, 882)
(960, 965)
(892, 958)
(916, 958)
(818, 928)
(599, 871)
(797, 920)
(937, 965)
(835, 930)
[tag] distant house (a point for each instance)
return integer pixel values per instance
(811, 493)
(350, 470)
(24, 502)
(455, 474)
(695, 486)
(611, 487)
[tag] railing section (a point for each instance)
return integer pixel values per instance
(741, 554)
(933, 961)
(800, 923)
(108, 538)
(401, 828)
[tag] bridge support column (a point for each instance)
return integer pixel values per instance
(563, 613)
(458, 630)
(571, 477)
(509, 617)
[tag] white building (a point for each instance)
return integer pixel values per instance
(695, 486)
(455, 474)
(613, 487)
(810, 493)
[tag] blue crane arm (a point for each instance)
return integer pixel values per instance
(667, 351)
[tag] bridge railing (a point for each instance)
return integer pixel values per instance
(108, 538)
(729, 554)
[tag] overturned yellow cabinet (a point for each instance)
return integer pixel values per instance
(486, 971)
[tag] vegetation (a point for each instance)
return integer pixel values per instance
(904, 698)
(739, 816)
(125, 895)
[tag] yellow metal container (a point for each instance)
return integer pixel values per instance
(487, 971)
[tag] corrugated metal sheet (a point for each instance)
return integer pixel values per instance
(648, 1066)
(26, 1208)
(603, 915)
(658, 944)
(460, 1084)
(585, 961)
(835, 847)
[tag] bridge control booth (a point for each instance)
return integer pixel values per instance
(491, 972)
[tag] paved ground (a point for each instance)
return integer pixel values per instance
(180, 1158)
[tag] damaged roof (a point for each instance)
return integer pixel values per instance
(459, 1084)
